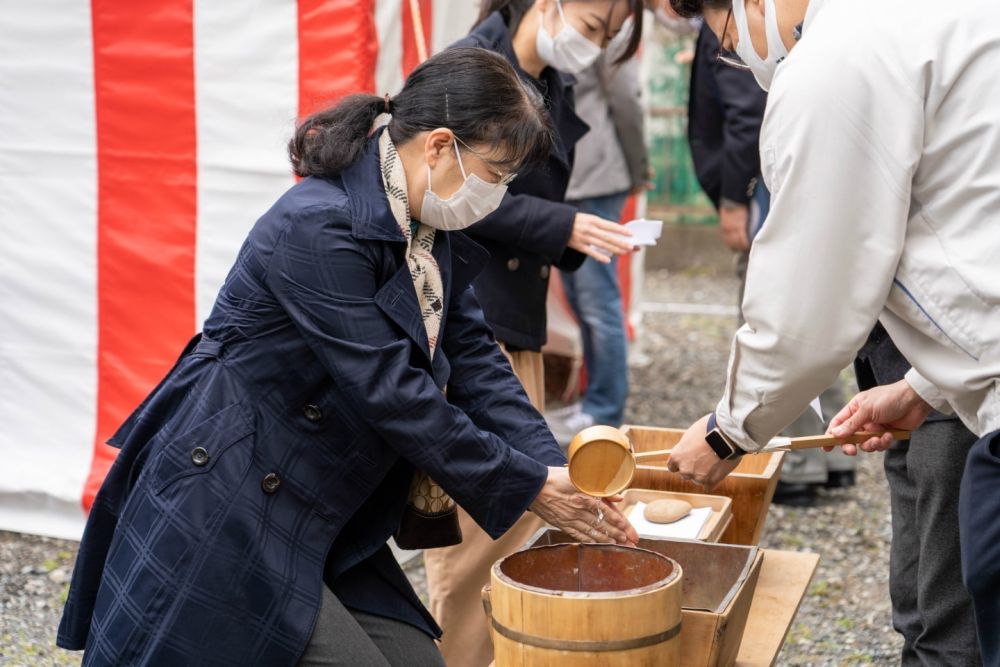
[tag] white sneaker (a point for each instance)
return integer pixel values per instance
(565, 427)
(565, 412)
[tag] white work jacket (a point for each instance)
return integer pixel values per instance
(881, 148)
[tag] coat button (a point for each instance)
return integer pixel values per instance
(199, 456)
(513, 264)
(312, 412)
(270, 483)
(544, 272)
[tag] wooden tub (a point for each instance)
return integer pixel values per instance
(750, 486)
(717, 591)
(592, 605)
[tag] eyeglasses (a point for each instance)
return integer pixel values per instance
(726, 56)
(502, 179)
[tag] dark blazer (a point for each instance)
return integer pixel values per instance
(530, 230)
(279, 450)
(725, 112)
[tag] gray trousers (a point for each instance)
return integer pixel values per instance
(930, 605)
(345, 638)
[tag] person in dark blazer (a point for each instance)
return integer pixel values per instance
(246, 518)
(532, 230)
(725, 112)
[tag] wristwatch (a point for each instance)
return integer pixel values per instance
(719, 443)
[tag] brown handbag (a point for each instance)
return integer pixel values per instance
(430, 520)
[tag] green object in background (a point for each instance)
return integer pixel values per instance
(676, 191)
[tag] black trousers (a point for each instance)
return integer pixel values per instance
(930, 607)
(979, 518)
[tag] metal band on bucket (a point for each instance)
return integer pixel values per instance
(584, 646)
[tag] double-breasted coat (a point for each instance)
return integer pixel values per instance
(278, 451)
(530, 231)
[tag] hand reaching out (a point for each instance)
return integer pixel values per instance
(583, 517)
(592, 235)
(890, 406)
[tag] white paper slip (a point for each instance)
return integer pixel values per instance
(687, 528)
(645, 232)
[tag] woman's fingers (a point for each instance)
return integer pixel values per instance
(590, 251)
(620, 528)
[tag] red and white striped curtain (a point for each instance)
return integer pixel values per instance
(139, 141)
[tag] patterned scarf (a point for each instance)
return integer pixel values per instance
(424, 269)
(426, 496)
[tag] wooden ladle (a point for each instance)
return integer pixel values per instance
(781, 444)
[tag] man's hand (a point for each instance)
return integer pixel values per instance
(890, 406)
(694, 459)
(733, 223)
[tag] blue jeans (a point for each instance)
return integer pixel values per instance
(596, 299)
(979, 527)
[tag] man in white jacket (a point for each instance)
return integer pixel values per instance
(881, 148)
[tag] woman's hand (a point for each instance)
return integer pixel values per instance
(599, 238)
(583, 517)
(890, 406)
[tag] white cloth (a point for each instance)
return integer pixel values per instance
(687, 528)
(881, 148)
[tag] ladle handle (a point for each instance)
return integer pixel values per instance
(655, 455)
(817, 441)
(789, 444)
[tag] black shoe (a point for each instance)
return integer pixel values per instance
(839, 479)
(795, 495)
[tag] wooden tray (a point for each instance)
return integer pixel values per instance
(713, 529)
(750, 486)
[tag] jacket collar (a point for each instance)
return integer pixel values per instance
(372, 217)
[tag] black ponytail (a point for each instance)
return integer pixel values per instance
(513, 12)
(331, 140)
(473, 92)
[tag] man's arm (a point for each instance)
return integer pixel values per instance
(839, 154)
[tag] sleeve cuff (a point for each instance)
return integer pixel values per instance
(732, 430)
(927, 391)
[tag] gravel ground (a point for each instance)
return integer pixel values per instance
(676, 377)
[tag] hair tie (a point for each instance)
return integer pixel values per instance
(387, 103)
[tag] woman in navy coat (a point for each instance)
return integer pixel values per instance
(278, 453)
(532, 230)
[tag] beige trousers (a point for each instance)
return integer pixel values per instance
(456, 575)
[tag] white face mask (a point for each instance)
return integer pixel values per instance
(568, 51)
(473, 201)
(763, 69)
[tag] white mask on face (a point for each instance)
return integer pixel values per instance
(763, 69)
(473, 201)
(568, 51)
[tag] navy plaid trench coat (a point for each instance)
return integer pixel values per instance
(304, 407)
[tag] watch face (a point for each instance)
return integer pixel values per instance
(719, 445)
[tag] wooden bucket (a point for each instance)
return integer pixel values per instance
(585, 605)
(718, 589)
(750, 486)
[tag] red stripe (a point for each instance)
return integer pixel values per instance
(338, 45)
(146, 203)
(411, 55)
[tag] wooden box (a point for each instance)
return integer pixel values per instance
(718, 589)
(714, 528)
(750, 486)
